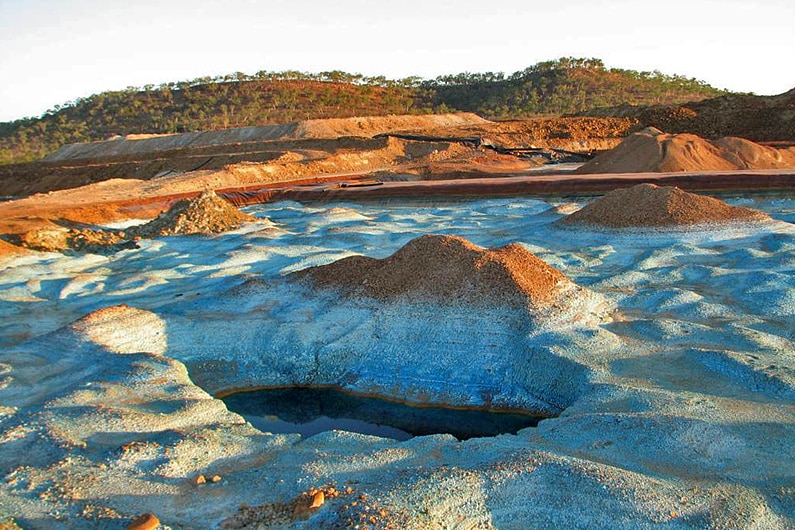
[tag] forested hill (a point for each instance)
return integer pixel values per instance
(565, 85)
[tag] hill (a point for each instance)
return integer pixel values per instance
(239, 100)
(756, 118)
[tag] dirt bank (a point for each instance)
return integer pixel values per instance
(334, 143)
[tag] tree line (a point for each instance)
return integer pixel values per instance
(563, 86)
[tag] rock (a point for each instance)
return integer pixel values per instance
(146, 521)
(205, 214)
(647, 205)
(201, 479)
(215, 479)
(55, 239)
(318, 499)
(98, 241)
(59, 239)
(448, 270)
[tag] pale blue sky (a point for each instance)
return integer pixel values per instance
(53, 51)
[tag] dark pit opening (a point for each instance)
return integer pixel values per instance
(311, 410)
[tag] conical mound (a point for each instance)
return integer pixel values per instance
(652, 150)
(446, 269)
(647, 205)
(206, 214)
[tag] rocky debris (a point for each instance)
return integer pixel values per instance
(318, 499)
(146, 521)
(280, 514)
(206, 214)
(46, 239)
(448, 270)
(203, 479)
(652, 150)
(59, 239)
(648, 205)
(99, 241)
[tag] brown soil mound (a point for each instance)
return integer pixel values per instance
(205, 214)
(446, 269)
(54, 238)
(647, 205)
(651, 150)
(746, 154)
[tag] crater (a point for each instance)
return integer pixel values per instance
(312, 410)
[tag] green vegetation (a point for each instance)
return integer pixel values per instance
(565, 85)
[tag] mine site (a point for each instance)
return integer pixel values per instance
(404, 321)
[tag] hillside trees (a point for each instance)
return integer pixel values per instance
(565, 85)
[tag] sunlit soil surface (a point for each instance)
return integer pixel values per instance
(672, 379)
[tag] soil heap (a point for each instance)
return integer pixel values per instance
(447, 270)
(652, 150)
(77, 239)
(206, 214)
(648, 205)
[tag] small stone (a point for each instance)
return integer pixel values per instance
(146, 521)
(318, 499)
(201, 479)
(215, 478)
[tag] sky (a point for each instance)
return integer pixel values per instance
(54, 51)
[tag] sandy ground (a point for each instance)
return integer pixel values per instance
(671, 370)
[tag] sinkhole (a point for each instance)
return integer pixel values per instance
(311, 410)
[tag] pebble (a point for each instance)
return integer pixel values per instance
(318, 499)
(146, 521)
(201, 479)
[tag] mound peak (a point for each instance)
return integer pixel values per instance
(122, 329)
(652, 150)
(206, 214)
(446, 269)
(648, 205)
